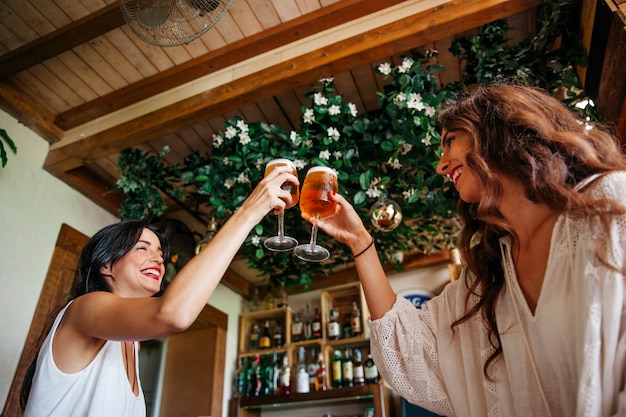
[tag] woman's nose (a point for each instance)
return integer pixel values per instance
(442, 165)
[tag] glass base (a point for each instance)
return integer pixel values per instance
(312, 253)
(280, 243)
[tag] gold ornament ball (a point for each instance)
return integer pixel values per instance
(385, 215)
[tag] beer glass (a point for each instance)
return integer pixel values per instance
(315, 201)
(280, 242)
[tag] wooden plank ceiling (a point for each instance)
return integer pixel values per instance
(74, 73)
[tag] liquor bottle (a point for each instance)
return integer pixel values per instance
(278, 335)
(248, 377)
(336, 381)
(256, 378)
(321, 379)
(334, 329)
(285, 376)
(347, 368)
(255, 302)
(267, 387)
(239, 385)
(355, 320)
(297, 328)
(316, 324)
(302, 376)
(265, 341)
(311, 369)
(359, 370)
(371, 370)
(269, 302)
(255, 335)
(276, 366)
(308, 322)
(346, 328)
(282, 296)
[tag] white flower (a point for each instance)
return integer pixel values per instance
(226, 161)
(231, 132)
(333, 133)
(430, 111)
(293, 136)
(407, 194)
(384, 68)
(415, 102)
(308, 143)
(229, 183)
(255, 240)
(309, 116)
(398, 256)
(353, 109)
(324, 155)
(407, 63)
(299, 163)
(399, 98)
(326, 80)
(217, 141)
(243, 178)
(427, 140)
(395, 163)
(320, 100)
(405, 148)
(337, 154)
(244, 139)
(259, 163)
(334, 110)
(373, 192)
(242, 126)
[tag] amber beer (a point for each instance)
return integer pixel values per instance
(292, 188)
(315, 198)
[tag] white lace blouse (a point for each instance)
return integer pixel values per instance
(568, 359)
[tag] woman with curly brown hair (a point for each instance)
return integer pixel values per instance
(536, 324)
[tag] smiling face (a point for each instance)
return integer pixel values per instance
(455, 146)
(140, 271)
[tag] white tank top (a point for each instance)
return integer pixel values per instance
(101, 389)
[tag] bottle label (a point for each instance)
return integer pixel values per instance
(371, 372)
(333, 329)
(355, 324)
(265, 342)
(348, 369)
(302, 382)
(336, 371)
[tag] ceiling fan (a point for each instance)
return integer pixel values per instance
(172, 22)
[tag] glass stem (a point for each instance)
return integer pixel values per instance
(314, 231)
(281, 224)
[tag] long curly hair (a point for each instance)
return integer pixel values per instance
(525, 134)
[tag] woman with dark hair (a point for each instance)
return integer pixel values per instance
(87, 365)
(536, 324)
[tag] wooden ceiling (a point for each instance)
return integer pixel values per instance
(73, 72)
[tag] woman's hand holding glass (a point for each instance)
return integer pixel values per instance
(316, 202)
(280, 242)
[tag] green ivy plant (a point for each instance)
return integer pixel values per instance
(3, 153)
(389, 153)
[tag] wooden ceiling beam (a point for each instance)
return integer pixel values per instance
(267, 40)
(412, 31)
(79, 32)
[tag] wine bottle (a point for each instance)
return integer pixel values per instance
(336, 381)
(302, 376)
(334, 330)
(347, 368)
(371, 370)
(359, 370)
(355, 320)
(316, 325)
(297, 328)
(265, 341)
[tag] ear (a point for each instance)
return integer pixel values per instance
(106, 269)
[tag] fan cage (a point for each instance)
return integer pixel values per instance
(166, 23)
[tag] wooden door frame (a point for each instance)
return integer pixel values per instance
(60, 279)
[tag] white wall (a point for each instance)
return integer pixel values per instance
(33, 206)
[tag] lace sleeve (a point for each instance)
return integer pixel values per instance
(404, 347)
